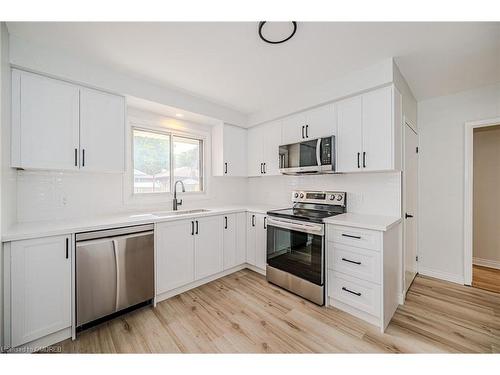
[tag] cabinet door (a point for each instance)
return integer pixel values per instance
(235, 151)
(377, 130)
(251, 237)
(40, 287)
(45, 122)
(294, 129)
(241, 237)
(348, 140)
(261, 242)
(255, 151)
(102, 131)
(321, 122)
(208, 257)
(230, 241)
(271, 134)
(174, 255)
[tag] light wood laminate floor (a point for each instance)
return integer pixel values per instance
(242, 313)
(486, 278)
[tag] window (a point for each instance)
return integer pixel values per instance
(157, 154)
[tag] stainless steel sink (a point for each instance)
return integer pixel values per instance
(180, 212)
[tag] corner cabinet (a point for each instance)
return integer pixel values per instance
(37, 289)
(263, 149)
(57, 125)
(229, 151)
(369, 131)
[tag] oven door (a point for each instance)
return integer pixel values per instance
(296, 247)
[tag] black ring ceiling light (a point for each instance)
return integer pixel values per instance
(261, 25)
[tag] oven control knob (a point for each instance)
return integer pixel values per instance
(339, 197)
(301, 195)
(332, 197)
(296, 195)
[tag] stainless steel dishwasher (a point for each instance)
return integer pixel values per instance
(114, 271)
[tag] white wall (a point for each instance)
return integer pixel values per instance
(441, 177)
(367, 193)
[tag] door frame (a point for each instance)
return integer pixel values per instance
(469, 190)
(413, 128)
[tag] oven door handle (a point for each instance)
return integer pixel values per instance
(318, 152)
(305, 228)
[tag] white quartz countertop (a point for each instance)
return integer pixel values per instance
(23, 231)
(375, 222)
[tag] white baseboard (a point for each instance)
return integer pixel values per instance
(486, 263)
(458, 279)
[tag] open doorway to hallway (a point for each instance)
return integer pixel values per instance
(486, 206)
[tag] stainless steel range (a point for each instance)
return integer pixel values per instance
(296, 242)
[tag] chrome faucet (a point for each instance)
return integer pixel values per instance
(178, 203)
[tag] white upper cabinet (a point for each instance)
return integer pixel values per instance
(102, 131)
(45, 123)
(54, 123)
(315, 123)
(368, 131)
(263, 149)
(229, 151)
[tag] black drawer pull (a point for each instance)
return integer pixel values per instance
(350, 291)
(350, 236)
(351, 261)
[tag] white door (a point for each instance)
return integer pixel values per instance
(251, 237)
(230, 241)
(271, 135)
(40, 287)
(208, 253)
(235, 151)
(377, 130)
(321, 122)
(348, 140)
(241, 237)
(102, 131)
(410, 183)
(174, 254)
(45, 113)
(294, 129)
(254, 149)
(261, 241)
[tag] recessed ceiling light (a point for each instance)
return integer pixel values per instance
(179, 115)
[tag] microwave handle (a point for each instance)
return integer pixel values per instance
(318, 152)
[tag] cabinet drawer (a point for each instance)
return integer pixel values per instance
(365, 238)
(360, 294)
(353, 261)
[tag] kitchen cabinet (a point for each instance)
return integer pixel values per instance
(229, 150)
(102, 131)
(256, 252)
(314, 123)
(39, 288)
(208, 252)
(57, 125)
(174, 254)
(263, 149)
(234, 238)
(368, 131)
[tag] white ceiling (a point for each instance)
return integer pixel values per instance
(228, 64)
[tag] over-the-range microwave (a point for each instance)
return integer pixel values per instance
(311, 156)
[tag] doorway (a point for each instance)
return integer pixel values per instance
(485, 208)
(410, 194)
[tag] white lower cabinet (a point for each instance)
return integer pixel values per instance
(37, 288)
(256, 254)
(364, 272)
(234, 236)
(208, 247)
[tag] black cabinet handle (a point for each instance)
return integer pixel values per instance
(407, 215)
(225, 219)
(265, 222)
(225, 168)
(351, 261)
(253, 220)
(83, 158)
(350, 236)
(192, 228)
(350, 291)
(303, 132)
(307, 131)
(261, 168)
(359, 166)
(196, 226)
(76, 157)
(264, 168)
(364, 159)
(67, 247)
